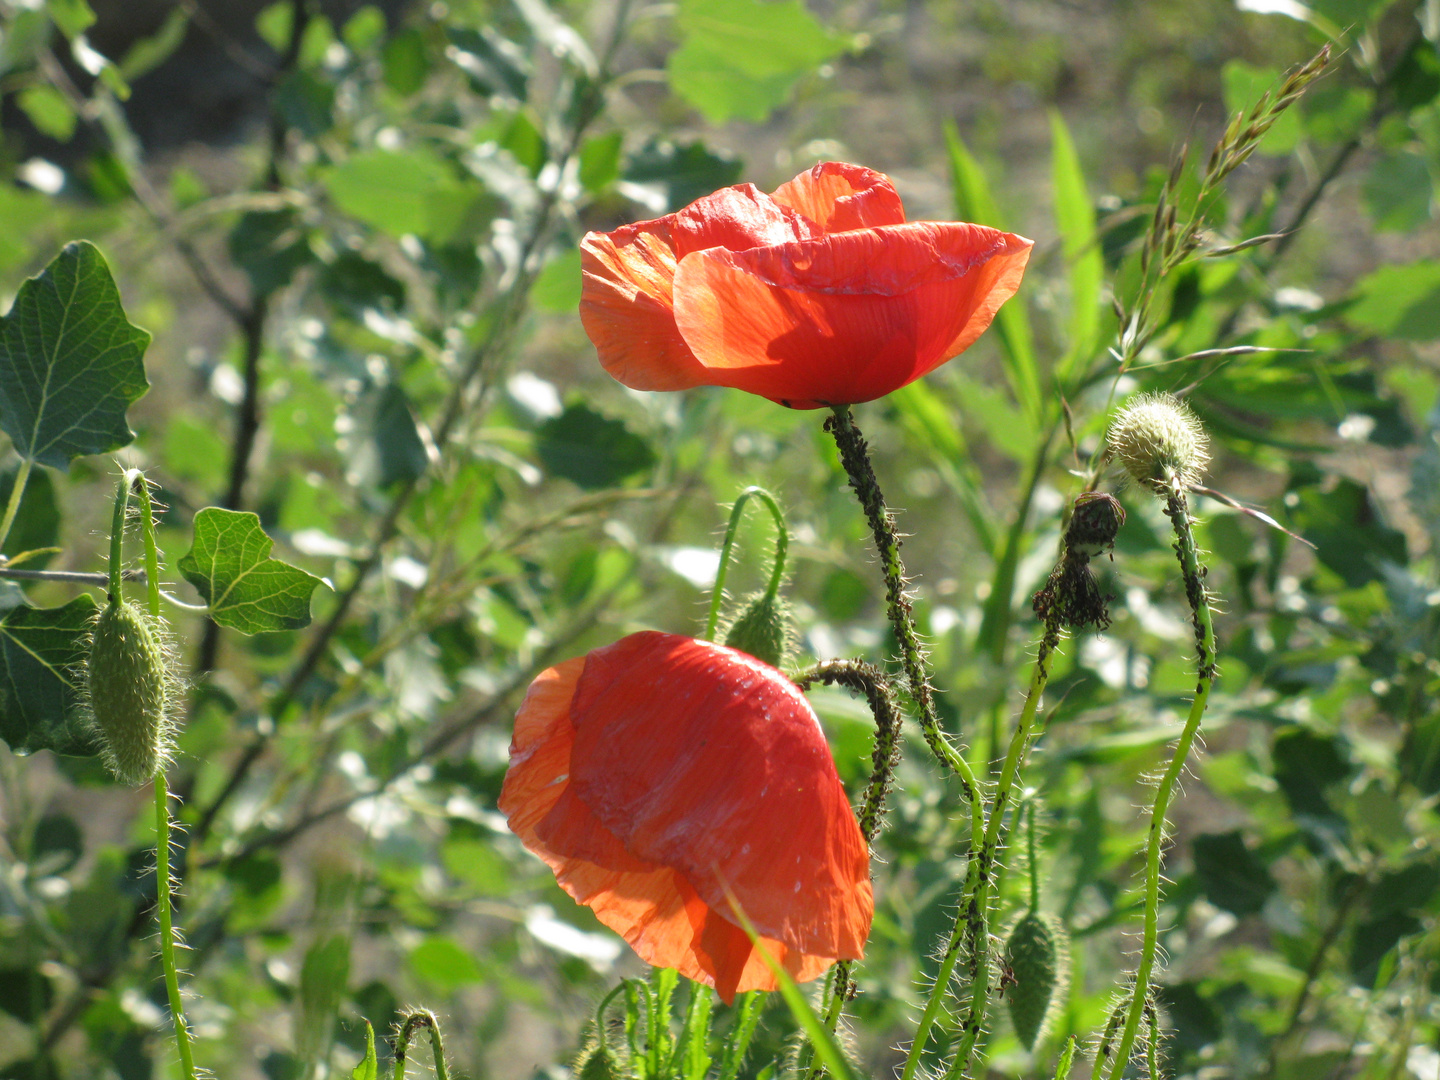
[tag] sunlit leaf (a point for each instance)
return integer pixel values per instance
(70, 361)
(740, 59)
(230, 566)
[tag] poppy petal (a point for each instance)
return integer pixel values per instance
(838, 197)
(702, 758)
(626, 277)
(848, 317)
(642, 881)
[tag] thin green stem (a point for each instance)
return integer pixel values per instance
(870, 681)
(117, 536)
(1193, 573)
(1030, 852)
(782, 546)
(974, 917)
(135, 480)
(167, 927)
(855, 457)
(147, 535)
(17, 492)
(418, 1019)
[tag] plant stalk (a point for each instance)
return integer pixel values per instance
(1177, 510)
(17, 492)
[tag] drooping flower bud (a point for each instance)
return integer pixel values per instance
(1157, 436)
(762, 629)
(1037, 956)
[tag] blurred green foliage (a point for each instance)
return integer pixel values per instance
(364, 348)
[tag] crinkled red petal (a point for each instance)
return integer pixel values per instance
(848, 317)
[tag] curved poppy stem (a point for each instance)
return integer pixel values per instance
(866, 679)
(1193, 573)
(418, 1019)
(782, 546)
(855, 457)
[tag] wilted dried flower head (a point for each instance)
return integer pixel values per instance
(1157, 436)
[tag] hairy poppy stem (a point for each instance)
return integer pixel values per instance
(418, 1019)
(134, 481)
(782, 546)
(855, 457)
(972, 923)
(861, 678)
(1193, 573)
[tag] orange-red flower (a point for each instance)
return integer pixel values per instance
(817, 294)
(661, 776)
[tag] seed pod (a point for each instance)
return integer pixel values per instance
(762, 630)
(130, 688)
(1156, 436)
(598, 1062)
(1037, 956)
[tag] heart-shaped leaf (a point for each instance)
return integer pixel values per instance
(42, 652)
(230, 565)
(70, 362)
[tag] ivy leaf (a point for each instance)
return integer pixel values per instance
(41, 653)
(70, 362)
(230, 566)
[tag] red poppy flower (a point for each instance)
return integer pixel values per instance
(659, 777)
(817, 294)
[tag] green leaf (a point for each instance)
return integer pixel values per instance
(444, 965)
(557, 288)
(70, 362)
(395, 452)
(600, 161)
(494, 64)
(323, 976)
(592, 450)
(1398, 192)
(269, 245)
(149, 53)
(1075, 218)
(49, 111)
(974, 202)
(404, 63)
(399, 192)
(37, 525)
(1233, 876)
(73, 17)
(683, 171)
(369, 1067)
(1305, 764)
(230, 567)
(42, 651)
(740, 59)
(1399, 301)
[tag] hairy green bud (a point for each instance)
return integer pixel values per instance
(1036, 962)
(762, 629)
(598, 1062)
(1156, 436)
(130, 690)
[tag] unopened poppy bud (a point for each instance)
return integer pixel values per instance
(763, 629)
(599, 1062)
(1156, 436)
(130, 690)
(1036, 954)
